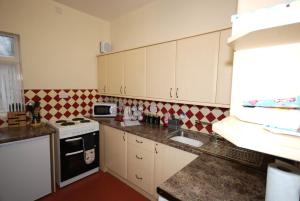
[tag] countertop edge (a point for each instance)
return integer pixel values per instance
(10, 135)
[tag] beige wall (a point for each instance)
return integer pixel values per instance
(246, 5)
(165, 20)
(58, 44)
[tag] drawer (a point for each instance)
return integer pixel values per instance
(141, 167)
(141, 142)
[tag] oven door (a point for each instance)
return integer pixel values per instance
(72, 156)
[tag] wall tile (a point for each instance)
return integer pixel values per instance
(78, 103)
(208, 115)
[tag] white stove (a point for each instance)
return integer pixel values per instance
(73, 127)
(76, 149)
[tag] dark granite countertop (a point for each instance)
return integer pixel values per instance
(214, 175)
(22, 133)
(152, 132)
(209, 178)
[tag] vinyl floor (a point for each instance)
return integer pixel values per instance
(97, 187)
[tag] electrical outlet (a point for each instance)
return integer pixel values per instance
(63, 95)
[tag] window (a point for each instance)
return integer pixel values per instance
(10, 72)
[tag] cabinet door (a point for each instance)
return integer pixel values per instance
(115, 73)
(159, 165)
(116, 151)
(168, 161)
(102, 74)
(196, 71)
(161, 71)
(176, 159)
(224, 70)
(135, 73)
(141, 167)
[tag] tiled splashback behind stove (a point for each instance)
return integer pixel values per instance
(208, 115)
(80, 101)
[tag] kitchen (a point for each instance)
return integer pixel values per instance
(148, 100)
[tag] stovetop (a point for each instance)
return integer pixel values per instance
(75, 126)
(71, 122)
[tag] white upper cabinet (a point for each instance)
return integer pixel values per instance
(161, 62)
(196, 71)
(102, 74)
(224, 69)
(115, 73)
(135, 73)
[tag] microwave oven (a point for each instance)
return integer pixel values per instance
(104, 109)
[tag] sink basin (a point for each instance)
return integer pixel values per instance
(188, 141)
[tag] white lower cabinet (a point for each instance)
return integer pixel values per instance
(168, 161)
(115, 149)
(140, 167)
(147, 163)
(25, 171)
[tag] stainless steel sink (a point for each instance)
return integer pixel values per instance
(188, 139)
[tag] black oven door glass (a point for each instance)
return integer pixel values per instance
(102, 110)
(72, 156)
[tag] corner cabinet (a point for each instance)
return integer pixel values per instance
(115, 151)
(168, 161)
(195, 70)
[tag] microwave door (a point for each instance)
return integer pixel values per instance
(102, 110)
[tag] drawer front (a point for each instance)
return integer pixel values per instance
(141, 142)
(141, 167)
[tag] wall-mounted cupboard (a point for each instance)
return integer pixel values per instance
(195, 70)
(135, 73)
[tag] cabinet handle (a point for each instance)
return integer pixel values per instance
(125, 90)
(140, 158)
(170, 92)
(139, 141)
(139, 178)
(176, 92)
(121, 90)
(124, 138)
(156, 150)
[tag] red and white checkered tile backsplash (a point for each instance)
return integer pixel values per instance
(208, 115)
(80, 101)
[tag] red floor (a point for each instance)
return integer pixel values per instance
(97, 187)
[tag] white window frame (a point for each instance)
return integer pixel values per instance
(16, 59)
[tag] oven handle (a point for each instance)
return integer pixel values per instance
(74, 139)
(73, 153)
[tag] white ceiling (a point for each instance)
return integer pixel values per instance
(105, 9)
